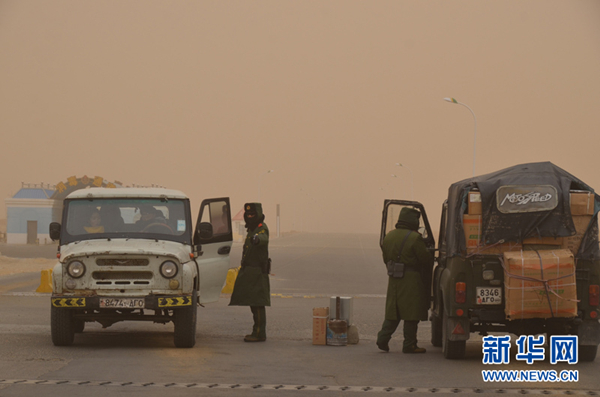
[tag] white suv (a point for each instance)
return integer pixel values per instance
(132, 254)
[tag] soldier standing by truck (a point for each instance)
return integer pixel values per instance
(407, 296)
(251, 286)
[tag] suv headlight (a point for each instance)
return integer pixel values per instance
(76, 269)
(168, 269)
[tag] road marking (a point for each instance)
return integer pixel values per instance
(275, 295)
(325, 388)
(313, 296)
(24, 294)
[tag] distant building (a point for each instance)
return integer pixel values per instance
(31, 210)
(29, 214)
(238, 227)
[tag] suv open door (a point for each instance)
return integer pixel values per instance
(391, 211)
(214, 236)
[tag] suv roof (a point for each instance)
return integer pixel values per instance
(146, 192)
(515, 227)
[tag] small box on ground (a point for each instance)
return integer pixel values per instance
(320, 317)
(540, 284)
(346, 309)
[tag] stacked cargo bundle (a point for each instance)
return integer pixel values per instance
(539, 284)
(582, 210)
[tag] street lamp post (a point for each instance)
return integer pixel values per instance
(260, 179)
(412, 185)
(452, 100)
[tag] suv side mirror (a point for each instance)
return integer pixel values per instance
(55, 231)
(205, 231)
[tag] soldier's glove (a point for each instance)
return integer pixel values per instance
(255, 240)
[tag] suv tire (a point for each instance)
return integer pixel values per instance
(184, 320)
(436, 329)
(452, 349)
(78, 326)
(61, 326)
(587, 353)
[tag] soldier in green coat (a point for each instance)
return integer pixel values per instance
(251, 286)
(407, 297)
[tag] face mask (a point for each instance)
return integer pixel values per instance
(251, 222)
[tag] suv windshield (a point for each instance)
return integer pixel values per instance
(126, 218)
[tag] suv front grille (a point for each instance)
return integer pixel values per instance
(125, 276)
(122, 262)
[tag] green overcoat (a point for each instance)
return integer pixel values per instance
(251, 286)
(408, 297)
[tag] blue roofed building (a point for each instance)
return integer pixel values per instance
(29, 213)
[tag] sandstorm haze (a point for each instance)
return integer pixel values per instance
(206, 96)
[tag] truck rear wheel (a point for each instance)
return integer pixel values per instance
(587, 353)
(185, 324)
(61, 326)
(452, 349)
(436, 330)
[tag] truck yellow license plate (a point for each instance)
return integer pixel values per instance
(489, 295)
(122, 303)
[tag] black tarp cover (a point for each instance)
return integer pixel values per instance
(498, 226)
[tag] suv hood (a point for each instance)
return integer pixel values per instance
(126, 247)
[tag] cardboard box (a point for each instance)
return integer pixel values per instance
(573, 242)
(558, 241)
(496, 249)
(474, 203)
(319, 333)
(472, 228)
(582, 203)
(525, 276)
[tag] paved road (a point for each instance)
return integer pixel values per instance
(139, 358)
(28, 251)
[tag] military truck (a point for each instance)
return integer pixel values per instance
(132, 254)
(525, 211)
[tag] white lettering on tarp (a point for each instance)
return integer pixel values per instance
(523, 199)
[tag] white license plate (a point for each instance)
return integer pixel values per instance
(489, 295)
(124, 303)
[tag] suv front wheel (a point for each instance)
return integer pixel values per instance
(61, 326)
(185, 324)
(587, 353)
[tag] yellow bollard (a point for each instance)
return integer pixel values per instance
(230, 281)
(46, 282)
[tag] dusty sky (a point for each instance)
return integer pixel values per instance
(206, 96)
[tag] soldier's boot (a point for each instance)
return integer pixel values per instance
(410, 338)
(384, 336)
(259, 333)
(413, 349)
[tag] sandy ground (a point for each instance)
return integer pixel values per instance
(24, 265)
